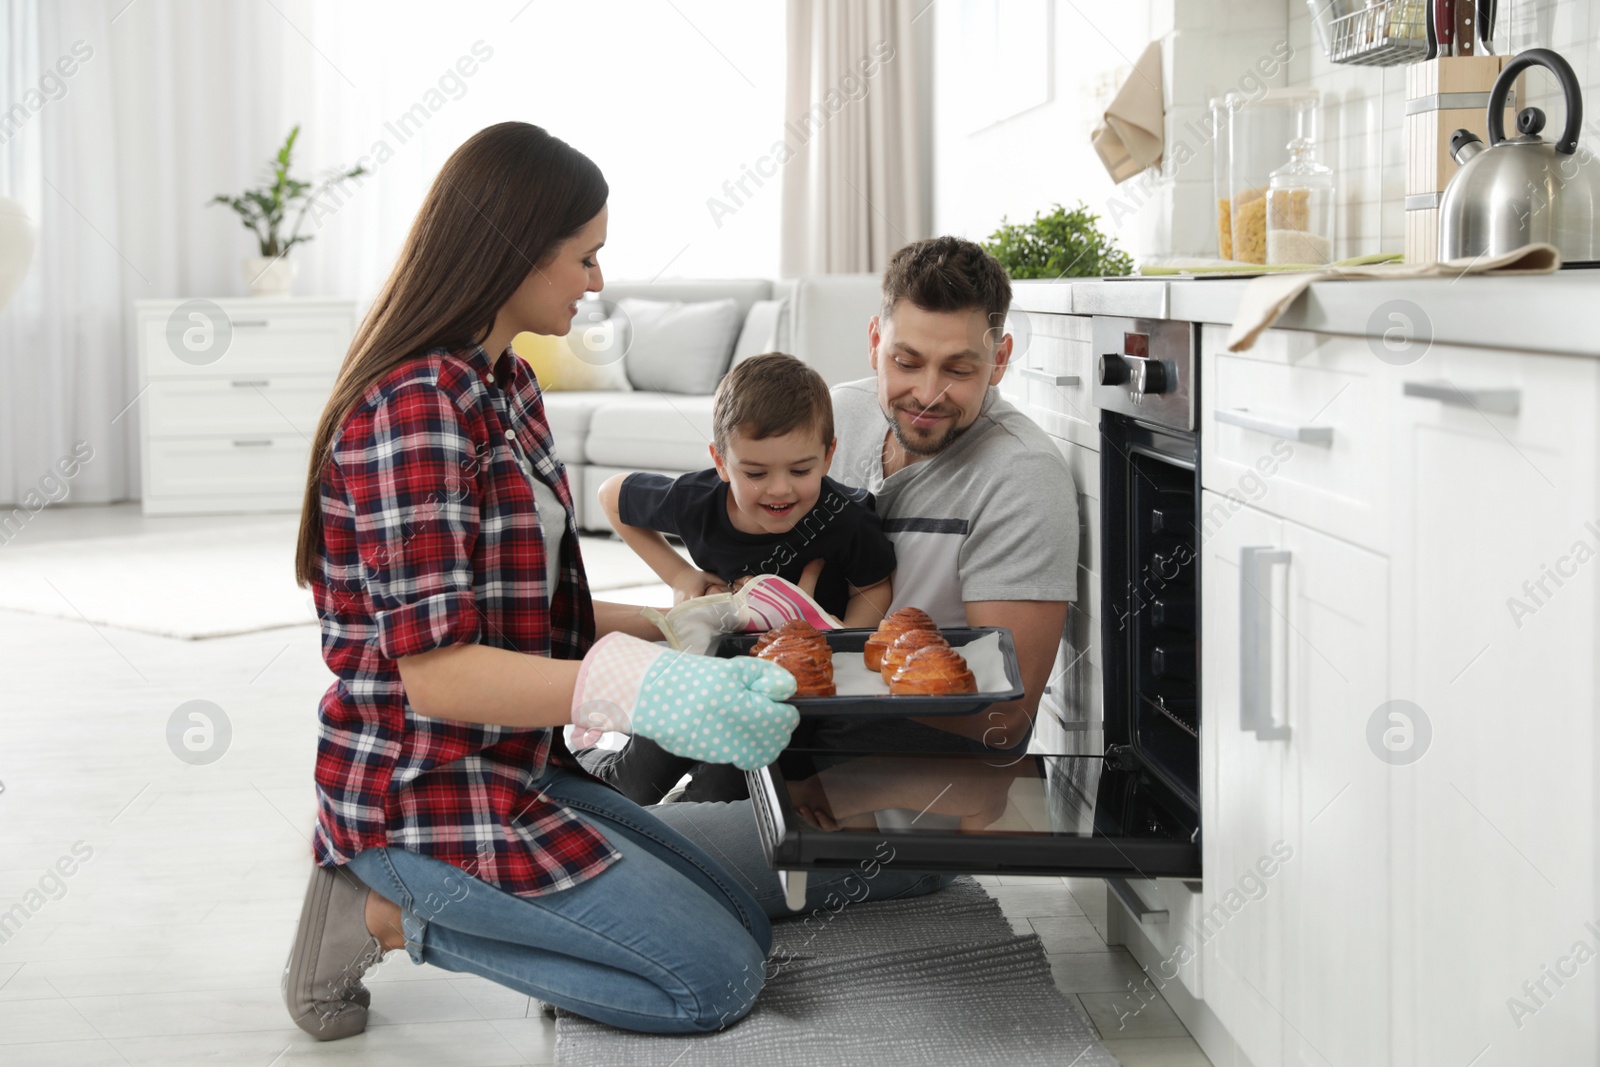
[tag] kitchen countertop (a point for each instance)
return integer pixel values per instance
(1556, 313)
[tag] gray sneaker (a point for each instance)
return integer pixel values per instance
(332, 950)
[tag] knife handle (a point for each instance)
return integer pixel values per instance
(1466, 28)
(1444, 25)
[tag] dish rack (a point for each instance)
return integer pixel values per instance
(1374, 33)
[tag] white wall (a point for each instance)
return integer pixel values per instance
(1029, 161)
(1043, 156)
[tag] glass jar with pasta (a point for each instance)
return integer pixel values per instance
(1257, 128)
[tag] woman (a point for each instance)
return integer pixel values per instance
(438, 537)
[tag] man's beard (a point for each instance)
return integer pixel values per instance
(924, 448)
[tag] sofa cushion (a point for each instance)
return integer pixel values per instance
(829, 315)
(691, 290)
(559, 368)
(675, 347)
(650, 431)
(569, 415)
(760, 331)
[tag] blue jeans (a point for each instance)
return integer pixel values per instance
(670, 939)
(662, 941)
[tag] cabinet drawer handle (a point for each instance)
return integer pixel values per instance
(262, 384)
(1499, 401)
(249, 324)
(1255, 642)
(1143, 912)
(1040, 375)
(1315, 435)
(266, 443)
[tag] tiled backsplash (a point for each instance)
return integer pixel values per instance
(1043, 155)
(1363, 110)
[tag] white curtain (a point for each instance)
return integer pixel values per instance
(858, 109)
(126, 126)
(179, 100)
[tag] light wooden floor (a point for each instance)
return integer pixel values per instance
(165, 946)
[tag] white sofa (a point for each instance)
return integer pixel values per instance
(823, 321)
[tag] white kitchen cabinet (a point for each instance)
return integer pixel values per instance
(1293, 921)
(1242, 808)
(1298, 425)
(1074, 696)
(1496, 561)
(231, 393)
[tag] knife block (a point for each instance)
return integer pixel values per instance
(1443, 95)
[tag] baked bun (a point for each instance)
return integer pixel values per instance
(933, 671)
(792, 628)
(799, 649)
(906, 644)
(891, 628)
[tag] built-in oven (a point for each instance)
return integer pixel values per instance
(1150, 563)
(1126, 807)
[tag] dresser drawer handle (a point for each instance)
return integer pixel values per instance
(266, 443)
(262, 384)
(1499, 401)
(1040, 375)
(1315, 435)
(249, 324)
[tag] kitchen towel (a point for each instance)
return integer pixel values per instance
(937, 979)
(1266, 298)
(1131, 136)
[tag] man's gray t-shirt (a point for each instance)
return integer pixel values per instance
(992, 517)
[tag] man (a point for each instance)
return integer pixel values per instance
(979, 503)
(982, 510)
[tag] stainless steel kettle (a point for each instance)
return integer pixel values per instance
(1520, 190)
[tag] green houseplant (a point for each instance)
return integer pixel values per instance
(265, 211)
(1061, 244)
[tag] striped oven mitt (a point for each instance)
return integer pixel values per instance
(715, 710)
(765, 602)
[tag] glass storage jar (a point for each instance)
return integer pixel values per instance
(1219, 176)
(1258, 127)
(1300, 209)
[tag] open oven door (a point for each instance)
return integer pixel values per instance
(1092, 816)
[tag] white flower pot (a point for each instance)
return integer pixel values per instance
(270, 275)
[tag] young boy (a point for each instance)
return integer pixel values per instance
(766, 506)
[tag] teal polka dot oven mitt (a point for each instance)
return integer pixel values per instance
(701, 707)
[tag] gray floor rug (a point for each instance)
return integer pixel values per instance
(934, 980)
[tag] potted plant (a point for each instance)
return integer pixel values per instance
(264, 211)
(1062, 244)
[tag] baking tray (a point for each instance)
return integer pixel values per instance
(730, 645)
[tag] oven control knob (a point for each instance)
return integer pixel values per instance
(1113, 369)
(1150, 376)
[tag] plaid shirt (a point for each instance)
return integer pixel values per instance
(431, 538)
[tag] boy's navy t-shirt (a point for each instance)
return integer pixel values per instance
(841, 529)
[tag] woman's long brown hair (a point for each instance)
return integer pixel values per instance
(501, 204)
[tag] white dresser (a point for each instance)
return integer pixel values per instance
(231, 391)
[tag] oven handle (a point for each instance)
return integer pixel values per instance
(1316, 435)
(1255, 641)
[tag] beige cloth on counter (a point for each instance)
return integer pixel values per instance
(1131, 137)
(1266, 298)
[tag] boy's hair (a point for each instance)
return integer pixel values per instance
(947, 274)
(768, 396)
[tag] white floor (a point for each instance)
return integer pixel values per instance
(165, 945)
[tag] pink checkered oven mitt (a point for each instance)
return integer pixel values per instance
(763, 603)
